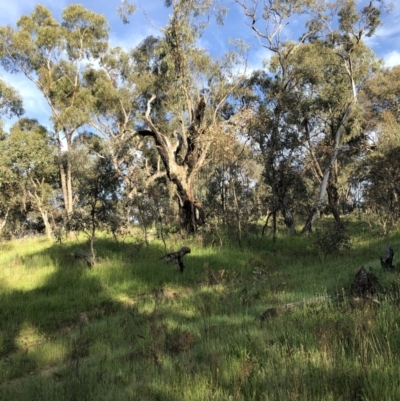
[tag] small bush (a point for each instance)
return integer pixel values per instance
(332, 237)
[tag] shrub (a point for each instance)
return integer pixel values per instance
(332, 237)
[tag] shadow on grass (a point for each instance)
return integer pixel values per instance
(71, 291)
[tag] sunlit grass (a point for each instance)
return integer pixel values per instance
(26, 278)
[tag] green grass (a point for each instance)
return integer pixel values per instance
(133, 328)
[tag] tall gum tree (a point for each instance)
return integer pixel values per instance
(354, 64)
(112, 110)
(275, 136)
(10, 105)
(381, 96)
(379, 170)
(338, 30)
(277, 94)
(52, 55)
(28, 151)
(183, 96)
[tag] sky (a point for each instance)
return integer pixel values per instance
(385, 43)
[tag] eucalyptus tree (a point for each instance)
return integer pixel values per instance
(28, 152)
(328, 64)
(381, 186)
(10, 105)
(276, 137)
(183, 97)
(354, 64)
(52, 55)
(333, 134)
(379, 170)
(277, 99)
(98, 187)
(381, 97)
(113, 110)
(232, 190)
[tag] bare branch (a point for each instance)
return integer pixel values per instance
(150, 101)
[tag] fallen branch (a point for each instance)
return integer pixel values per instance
(271, 312)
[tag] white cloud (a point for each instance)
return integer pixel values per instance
(392, 58)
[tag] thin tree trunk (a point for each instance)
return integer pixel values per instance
(69, 174)
(239, 225)
(42, 209)
(266, 224)
(47, 225)
(333, 202)
(3, 223)
(63, 175)
(63, 178)
(92, 237)
(287, 216)
(161, 228)
(324, 183)
(69, 188)
(143, 225)
(275, 208)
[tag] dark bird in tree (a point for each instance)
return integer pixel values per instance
(177, 257)
(387, 260)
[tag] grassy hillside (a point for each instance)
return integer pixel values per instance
(134, 328)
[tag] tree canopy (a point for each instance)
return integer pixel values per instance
(192, 138)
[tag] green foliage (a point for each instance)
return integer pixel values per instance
(125, 10)
(53, 55)
(332, 237)
(380, 173)
(380, 98)
(30, 151)
(98, 194)
(28, 174)
(10, 101)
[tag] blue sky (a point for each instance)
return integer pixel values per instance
(385, 43)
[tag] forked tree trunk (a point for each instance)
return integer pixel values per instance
(182, 160)
(42, 209)
(326, 175)
(47, 225)
(65, 174)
